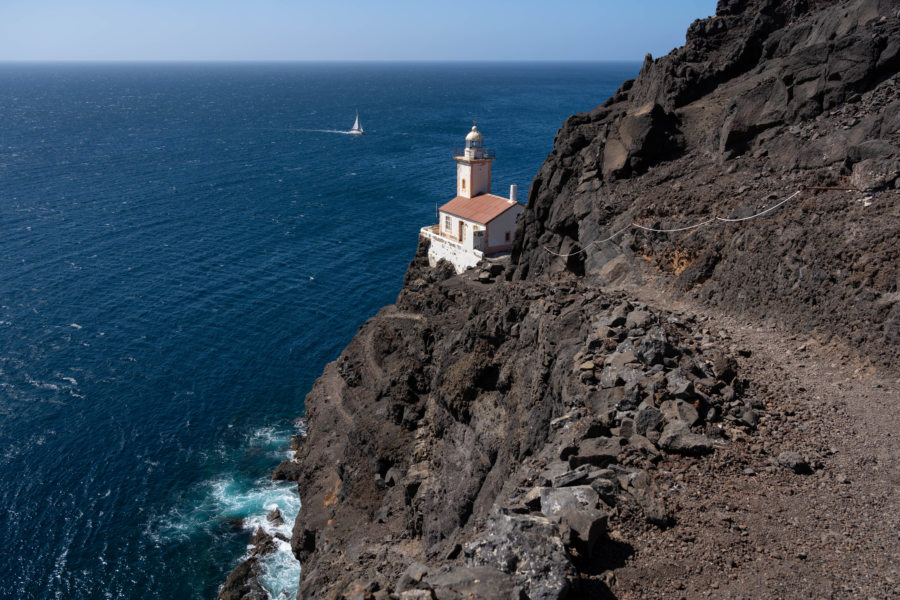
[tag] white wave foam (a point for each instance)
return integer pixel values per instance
(229, 497)
(280, 569)
(280, 572)
(267, 437)
(254, 504)
(41, 385)
(274, 440)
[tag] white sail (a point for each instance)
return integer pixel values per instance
(356, 130)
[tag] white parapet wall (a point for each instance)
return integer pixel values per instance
(457, 254)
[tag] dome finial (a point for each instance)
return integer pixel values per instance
(474, 135)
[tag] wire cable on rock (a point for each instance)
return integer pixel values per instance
(677, 229)
(706, 222)
(589, 245)
(759, 214)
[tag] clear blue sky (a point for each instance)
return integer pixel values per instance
(344, 29)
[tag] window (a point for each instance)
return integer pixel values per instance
(507, 236)
(448, 225)
(463, 184)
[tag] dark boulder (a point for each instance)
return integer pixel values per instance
(243, 583)
(647, 419)
(599, 452)
(641, 487)
(463, 583)
(287, 470)
(874, 174)
(678, 438)
(643, 137)
(528, 548)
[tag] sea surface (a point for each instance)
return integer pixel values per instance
(183, 247)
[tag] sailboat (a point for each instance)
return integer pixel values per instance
(357, 129)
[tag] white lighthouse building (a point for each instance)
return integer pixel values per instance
(475, 223)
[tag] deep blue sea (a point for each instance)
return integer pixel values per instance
(183, 247)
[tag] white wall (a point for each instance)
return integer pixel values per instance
(477, 176)
(460, 257)
(463, 173)
(496, 234)
(481, 178)
(453, 232)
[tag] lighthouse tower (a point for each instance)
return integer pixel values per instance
(475, 224)
(473, 168)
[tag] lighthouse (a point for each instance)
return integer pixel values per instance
(475, 223)
(473, 168)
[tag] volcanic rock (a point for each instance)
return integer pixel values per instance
(438, 434)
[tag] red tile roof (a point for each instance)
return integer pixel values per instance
(481, 209)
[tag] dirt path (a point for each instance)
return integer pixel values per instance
(376, 371)
(748, 527)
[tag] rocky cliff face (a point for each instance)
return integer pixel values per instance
(481, 430)
(766, 98)
(494, 434)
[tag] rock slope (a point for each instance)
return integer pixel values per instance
(480, 434)
(620, 412)
(765, 99)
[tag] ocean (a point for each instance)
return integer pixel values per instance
(183, 247)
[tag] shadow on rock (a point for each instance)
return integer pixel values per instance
(608, 555)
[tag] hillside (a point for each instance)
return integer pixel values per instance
(628, 413)
(766, 99)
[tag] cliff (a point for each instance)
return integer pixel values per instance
(626, 412)
(475, 427)
(765, 99)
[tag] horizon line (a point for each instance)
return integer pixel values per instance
(314, 61)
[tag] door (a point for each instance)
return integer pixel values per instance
(462, 231)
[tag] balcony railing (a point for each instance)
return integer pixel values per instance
(480, 153)
(434, 232)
